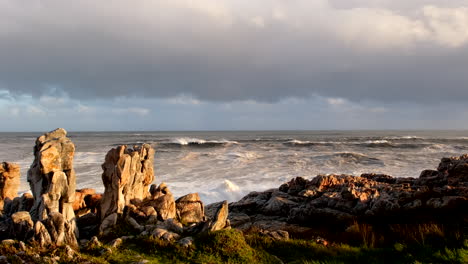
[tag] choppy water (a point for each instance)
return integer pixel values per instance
(228, 165)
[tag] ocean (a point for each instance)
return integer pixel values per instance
(227, 165)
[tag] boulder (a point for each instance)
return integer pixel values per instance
(219, 220)
(455, 169)
(9, 182)
(126, 177)
(190, 209)
(80, 201)
(162, 201)
(22, 226)
(60, 230)
(52, 178)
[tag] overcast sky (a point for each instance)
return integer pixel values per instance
(237, 64)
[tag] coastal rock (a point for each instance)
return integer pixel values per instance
(455, 169)
(190, 208)
(338, 201)
(162, 201)
(52, 178)
(80, 201)
(23, 203)
(9, 182)
(41, 235)
(219, 220)
(22, 226)
(60, 230)
(126, 177)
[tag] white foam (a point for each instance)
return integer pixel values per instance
(186, 141)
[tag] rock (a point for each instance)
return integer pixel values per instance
(80, 201)
(8, 242)
(185, 242)
(69, 252)
(9, 182)
(220, 218)
(455, 169)
(52, 178)
(164, 234)
(134, 224)
(3, 260)
(108, 223)
(22, 226)
(116, 243)
(190, 208)
(41, 235)
(126, 177)
(276, 235)
(94, 243)
(60, 230)
(162, 201)
(172, 225)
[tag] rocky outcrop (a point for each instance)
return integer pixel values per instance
(162, 201)
(52, 177)
(340, 200)
(126, 177)
(9, 182)
(190, 208)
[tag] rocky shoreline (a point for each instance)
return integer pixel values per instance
(56, 214)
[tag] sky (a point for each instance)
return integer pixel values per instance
(233, 65)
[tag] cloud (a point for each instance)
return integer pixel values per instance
(219, 50)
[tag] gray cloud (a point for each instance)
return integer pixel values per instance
(220, 51)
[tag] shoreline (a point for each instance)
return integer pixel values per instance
(374, 209)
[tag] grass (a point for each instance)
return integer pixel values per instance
(232, 246)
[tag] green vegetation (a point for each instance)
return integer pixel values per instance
(232, 246)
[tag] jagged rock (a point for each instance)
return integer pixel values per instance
(41, 235)
(276, 235)
(22, 226)
(116, 243)
(220, 218)
(190, 208)
(185, 242)
(164, 234)
(172, 225)
(455, 169)
(162, 201)
(126, 177)
(52, 178)
(9, 182)
(94, 243)
(23, 203)
(69, 252)
(59, 230)
(108, 222)
(80, 196)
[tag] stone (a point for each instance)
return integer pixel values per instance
(116, 243)
(220, 218)
(455, 169)
(80, 201)
(8, 242)
(108, 223)
(190, 209)
(126, 177)
(164, 234)
(185, 242)
(4, 260)
(94, 243)
(69, 252)
(172, 225)
(41, 235)
(162, 201)
(9, 182)
(52, 178)
(59, 230)
(22, 226)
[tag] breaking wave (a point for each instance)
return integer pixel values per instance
(194, 142)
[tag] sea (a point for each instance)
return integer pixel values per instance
(226, 165)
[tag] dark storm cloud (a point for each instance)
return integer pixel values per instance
(214, 51)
